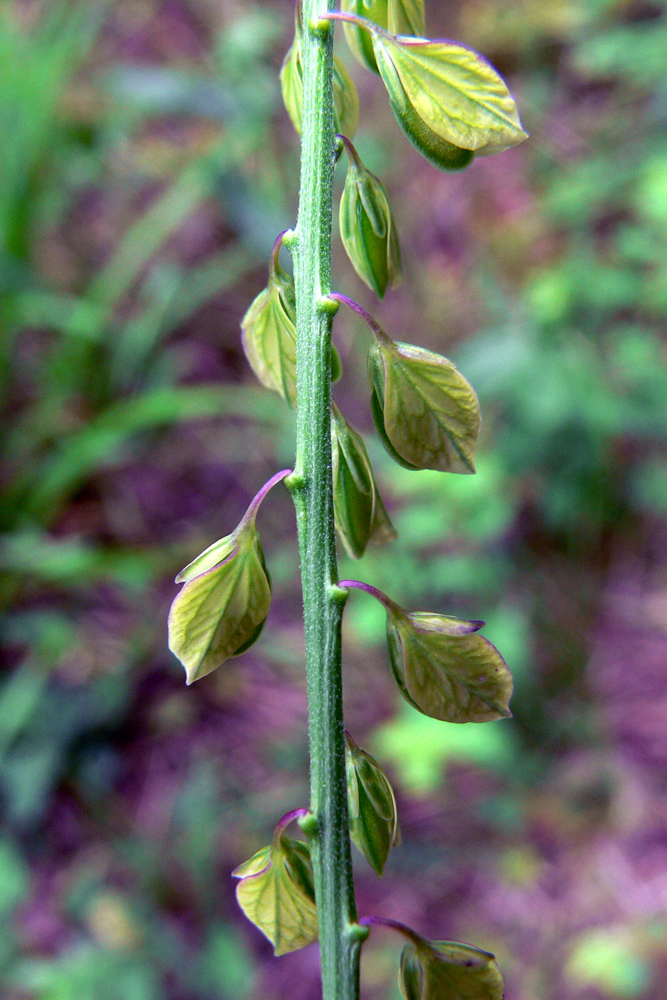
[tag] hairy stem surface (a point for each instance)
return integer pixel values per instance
(340, 935)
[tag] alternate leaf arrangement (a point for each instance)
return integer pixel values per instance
(452, 105)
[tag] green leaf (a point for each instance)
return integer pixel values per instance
(367, 227)
(222, 608)
(426, 413)
(452, 90)
(276, 893)
(446, 970)
(445, 669)
(346, 98)
(400, 17)
(371, 804)
(359, 513)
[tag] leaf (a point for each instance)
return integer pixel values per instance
(452, 90)
(276, 893)
(400, 17)
(367, 227)
(346, 98)
(445, 669)
(372, 806)
(359, 513)
(446, 970)
(426, 413)
(224, 603)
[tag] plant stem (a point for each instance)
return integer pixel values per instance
(327, 829)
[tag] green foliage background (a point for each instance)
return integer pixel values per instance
(147, 166)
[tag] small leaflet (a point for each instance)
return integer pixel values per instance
(452, 90)
(224, 603)
(368, 229)
(445, 669)
(400, 17)
(372, 806)
(447, 970)
(276, 893)
(425, 411)
(346, 98)
(359, 513)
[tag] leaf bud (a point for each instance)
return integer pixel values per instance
(371, 804)
(367, 227)
(425, 411)
(445, 669)
(438, 970)
(276, 892)
(359, 513)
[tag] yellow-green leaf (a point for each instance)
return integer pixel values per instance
(426, 413)
(371, 804)
(224, 602)
(359, 513)
(400, 17)
(453, 90)
(367, 227)
(346, 98)
(275, 893)
(444, 668)
(447, 970)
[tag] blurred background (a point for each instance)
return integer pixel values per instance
(146, 166)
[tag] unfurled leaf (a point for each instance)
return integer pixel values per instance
(448, 99)
(268, 333)
(446, 970)
(224, 603)
(371, 804)
(276, 893)
(359, 513)
(445, 669)
(426, 413)
(400, 17)
(367, 227)
(346, 98)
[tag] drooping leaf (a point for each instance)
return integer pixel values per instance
(453, 91)
(346, 98)
(371, 804)
(447, 970)
(426, 413)
(400, 17)
(268, 334)
(276, 893)
(359, 513)
(367, 227)
(224, 602)
(445, 669)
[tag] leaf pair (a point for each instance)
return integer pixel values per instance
(346, 98)
(359, 512)
(445, 669)
(447, 970)
(426, 413)
(268, 333)
(371, 806)
(276, 892)
(367, 227)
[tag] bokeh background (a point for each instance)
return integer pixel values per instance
(146, 165)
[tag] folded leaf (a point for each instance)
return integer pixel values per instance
(359, 513)
(452, 90)
(224, 603)
(426, 413)
(346, 98)
(445, 669)
(446, 970)
(371, 804)
(367, 227)
(276, 893)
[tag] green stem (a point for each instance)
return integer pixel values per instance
(327, 829)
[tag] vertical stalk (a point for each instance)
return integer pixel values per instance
(340, 935)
